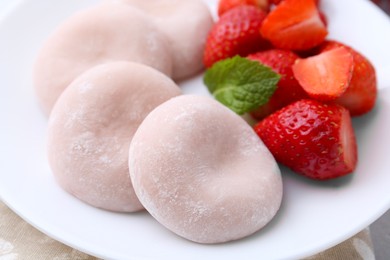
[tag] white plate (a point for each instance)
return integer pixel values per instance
(313, 217)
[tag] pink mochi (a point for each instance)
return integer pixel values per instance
(186, 24)
(110, 31)
(202, 172)
(91, 127)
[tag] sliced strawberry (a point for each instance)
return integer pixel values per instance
(276, 2)
(360, 97)
(325, 76)
(226, 5)
(235, 33)
(313, 139)
(289, 90)
(294, 25)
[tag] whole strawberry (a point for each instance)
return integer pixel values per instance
(360, 96)
(226, 5)
(289, 90)
(235, 33)
(313, 139)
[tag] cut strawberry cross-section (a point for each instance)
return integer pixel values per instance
(294, 25)
(360, 97)
(325, 76)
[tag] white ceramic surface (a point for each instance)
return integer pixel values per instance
(313, 217)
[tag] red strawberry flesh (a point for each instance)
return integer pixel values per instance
(294, 25)
(360, 97)
(348, 143)
(327, 75)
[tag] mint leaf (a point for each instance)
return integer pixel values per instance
(241, 84)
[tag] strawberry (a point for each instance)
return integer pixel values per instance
(322, 15)
(360, 97)
(325, 76)
(294, 25)
(226, 5)
(313, 139)
(276, 2)
(235, 33)
(289, 90)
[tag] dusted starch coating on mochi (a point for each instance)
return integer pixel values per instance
(91, 127)
(186, 24)
(202, 172)
(107, 32)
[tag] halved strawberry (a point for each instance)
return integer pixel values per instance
(360, 97)
(325, 76)
(235, 33)
(323, 17)
(313, 139)
(289, 90)
(276, 2)
(226, 5)
(294, 25)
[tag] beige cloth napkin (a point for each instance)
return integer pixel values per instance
(19, 240)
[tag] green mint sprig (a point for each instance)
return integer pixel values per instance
(241, 84)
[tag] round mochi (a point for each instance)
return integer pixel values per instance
(91, 127)
(186, 25)
(107, 32)
(202, 172)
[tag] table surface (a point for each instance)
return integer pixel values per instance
(380, 230)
